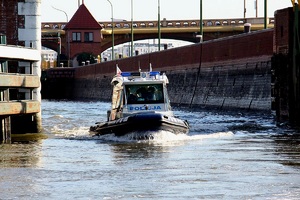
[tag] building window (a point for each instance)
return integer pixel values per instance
(88, 37)
(76, 37)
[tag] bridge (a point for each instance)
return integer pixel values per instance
(47, 26)
(186, 30)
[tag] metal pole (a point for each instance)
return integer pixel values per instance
(201, 21)
(131, 28)
(112, 31)
(69, 48)
(62, 11)
(256, 7)
(158, 24)
(245, 9)
(67, 37)
(58, 49)
(266, 16)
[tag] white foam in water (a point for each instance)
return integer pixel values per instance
(164, 138)
(69, 132)
(64, 128)
(212, 135)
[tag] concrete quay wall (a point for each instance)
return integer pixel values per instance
(233, 72)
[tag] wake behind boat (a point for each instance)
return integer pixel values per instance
(140, 103)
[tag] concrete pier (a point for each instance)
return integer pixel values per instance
(20, 98)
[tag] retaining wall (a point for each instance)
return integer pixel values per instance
(232, 72)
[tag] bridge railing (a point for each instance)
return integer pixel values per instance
(167, 23)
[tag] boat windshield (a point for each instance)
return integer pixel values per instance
(147, 93)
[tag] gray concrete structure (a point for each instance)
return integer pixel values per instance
(20, 70)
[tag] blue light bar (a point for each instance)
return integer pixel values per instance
(154, 73)
(126, 74)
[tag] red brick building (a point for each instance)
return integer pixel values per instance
(10, 21)
(83, 35)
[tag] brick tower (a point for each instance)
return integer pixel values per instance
(83, 33)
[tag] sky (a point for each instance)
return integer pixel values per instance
(148, 9)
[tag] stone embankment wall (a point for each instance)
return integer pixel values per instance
(233, 72)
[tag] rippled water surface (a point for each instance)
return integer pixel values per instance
(225, 156)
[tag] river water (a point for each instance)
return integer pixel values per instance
(225, 156)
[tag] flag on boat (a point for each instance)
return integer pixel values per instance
(118, 71)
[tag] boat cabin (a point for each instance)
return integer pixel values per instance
(136, 92)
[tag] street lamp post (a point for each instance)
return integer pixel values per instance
(63, 12)
(131, 50)
(265, 20)
(112, 31)
(245, 10)
(256, 8)
(201, 21)
(158, 25)
(59, 40)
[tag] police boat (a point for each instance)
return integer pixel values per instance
(140, 103)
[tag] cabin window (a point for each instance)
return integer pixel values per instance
(141, 94)
(88, 37)
(76, 37)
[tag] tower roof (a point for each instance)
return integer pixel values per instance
(82, 19)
